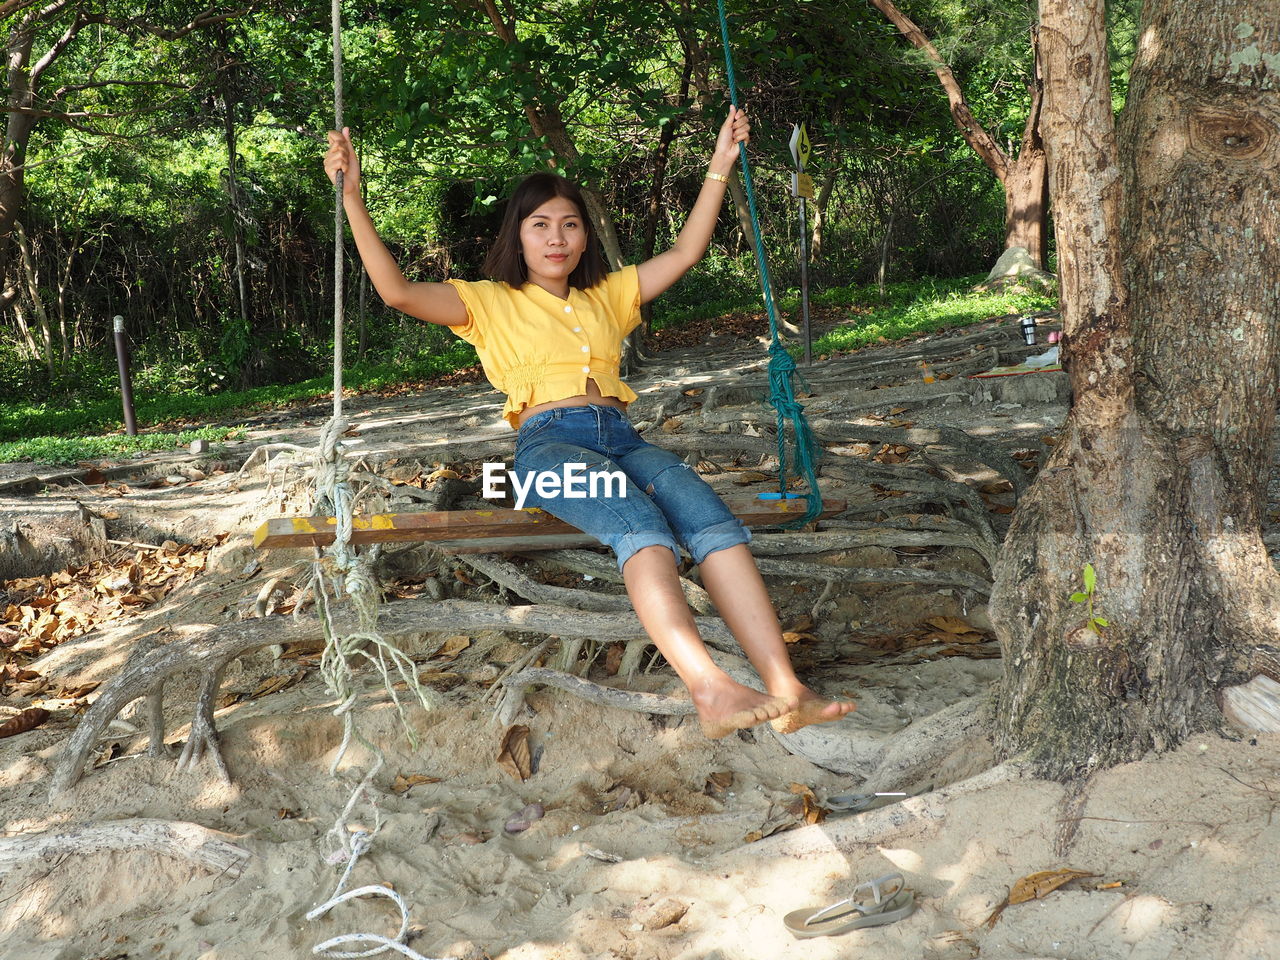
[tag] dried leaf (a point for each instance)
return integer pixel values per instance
(401, 783)
(717, 783)
(950, 624)
(75, 693)
(749, 476)
(443, 474)
(513, 753)
(694, 392)
(451, 647)
(27, 720)
(1037, 886)
(440, 679)
(791, 636)
(613, 658)
(671, 425)
(277, 683)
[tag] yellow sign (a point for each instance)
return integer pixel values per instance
(800, 145)
(802, 185)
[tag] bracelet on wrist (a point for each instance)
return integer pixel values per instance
(717, 177)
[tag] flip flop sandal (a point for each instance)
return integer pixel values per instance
(855, 913)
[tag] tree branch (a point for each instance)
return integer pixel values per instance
(973, 132)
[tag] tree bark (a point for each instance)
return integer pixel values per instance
(1025, 183)
(661, 154)
(820, 210)
(1168, 246)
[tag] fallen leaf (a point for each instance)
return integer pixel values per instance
(717, 783)
(513, 753)
(671, 425)
(950, 624)
(75, 693)
(401, 783)
(1037, 886)
(694, 392)
(750, 476)
(791, 636)
(440, 679)
(276, 684)
(27, 720)
(451, 647)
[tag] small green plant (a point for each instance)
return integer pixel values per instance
(1096, 623)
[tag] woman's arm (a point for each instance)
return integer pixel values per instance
(432, 302)
(666, 268)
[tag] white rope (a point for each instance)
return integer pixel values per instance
(341, 570)
(360, 842)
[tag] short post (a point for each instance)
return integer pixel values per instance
(802, 188)
(126, 386)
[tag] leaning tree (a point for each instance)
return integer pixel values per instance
(1167, 243)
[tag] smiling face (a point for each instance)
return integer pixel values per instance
(552, 239)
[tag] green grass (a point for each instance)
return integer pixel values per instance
(74, 431)
(911, 309)
(62, 450)
(49, 432)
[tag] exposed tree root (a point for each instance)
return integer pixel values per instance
(633, 701)
(506, 574)
(186, 841)
(876, 826)
(209, 651)
(821, 571)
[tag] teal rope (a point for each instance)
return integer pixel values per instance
(781, 365)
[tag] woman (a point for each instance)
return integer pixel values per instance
(548, 328)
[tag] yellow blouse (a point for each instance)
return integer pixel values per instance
(536, 347)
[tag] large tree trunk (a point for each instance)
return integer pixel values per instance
(1168, 253)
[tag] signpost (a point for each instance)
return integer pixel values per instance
(802, 188)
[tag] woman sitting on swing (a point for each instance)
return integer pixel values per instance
(548, 327)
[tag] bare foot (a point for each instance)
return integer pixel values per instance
(725, 706)
(812, 709)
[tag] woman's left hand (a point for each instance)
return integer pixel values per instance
(735, 129)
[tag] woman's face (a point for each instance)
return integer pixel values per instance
(553, 239)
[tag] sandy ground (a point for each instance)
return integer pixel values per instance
(642, 853)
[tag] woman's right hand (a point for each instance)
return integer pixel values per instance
(342, 156)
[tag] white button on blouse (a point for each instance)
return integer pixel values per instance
(568, 309)
(586, 369)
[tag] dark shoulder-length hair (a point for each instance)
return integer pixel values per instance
(505, 261)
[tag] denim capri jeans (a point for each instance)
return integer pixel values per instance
(623, 491)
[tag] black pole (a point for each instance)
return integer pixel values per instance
(126, 387)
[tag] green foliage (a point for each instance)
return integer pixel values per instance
(66, 450)
(1086, 596)
(911, 309)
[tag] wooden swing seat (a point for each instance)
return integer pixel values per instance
(490, 531)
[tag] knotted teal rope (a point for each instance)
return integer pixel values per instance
(781, 365)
